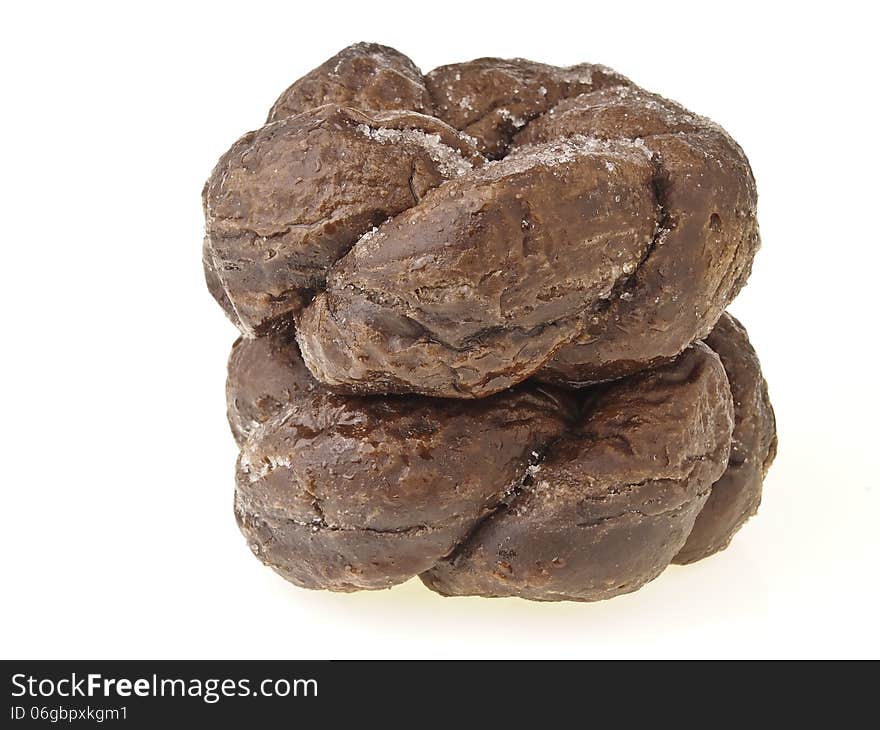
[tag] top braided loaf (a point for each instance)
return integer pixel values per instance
(457, 233)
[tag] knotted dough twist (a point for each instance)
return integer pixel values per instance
(455, 234)
(535, 492)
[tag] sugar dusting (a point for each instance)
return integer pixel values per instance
(583, 73)
(450, 161)
(670, 112)
(266, 466)
(561, 151)
(517, 121)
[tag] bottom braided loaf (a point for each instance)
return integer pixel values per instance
(536, 492)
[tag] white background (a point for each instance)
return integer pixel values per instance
(117, 538)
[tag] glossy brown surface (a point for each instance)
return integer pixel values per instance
(468, 292)
(614, 501)
(363, 76)
(701, 254)
(346, 492)
(287, 201)
(265, 375)
(492, 99)
(472, 305)
(736, 496)
(610, 231)
(349, 493)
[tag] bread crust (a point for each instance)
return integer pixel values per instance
(736, 496)
(607, 233)
(483, 338)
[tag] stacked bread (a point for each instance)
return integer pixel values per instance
(483, 329)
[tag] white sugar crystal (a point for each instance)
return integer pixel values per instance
(516, 121)
(574, 75)
(267, 465)
(369, 235)
(560, 152)
(449, 161)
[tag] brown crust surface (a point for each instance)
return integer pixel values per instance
(289, 200)
(363, 76)
(614, 501)
(609, 234)
(495, 278)
(265, 375)
(701, 255)
(350, 493)
(472, 305)
(492, 99)
(736, 496)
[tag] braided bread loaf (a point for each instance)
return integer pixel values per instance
(472, 305)
(536, 492)
(608, 230)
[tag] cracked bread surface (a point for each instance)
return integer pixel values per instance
(471, 306)
(349, 493)
(554, 222)
(736, 496)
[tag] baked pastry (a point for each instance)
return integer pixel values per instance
(491, 99)
(348, 493)
(483, 331)
(611, 503)
(287, 201)
(607, 231)
(736, 496)
(363, 76)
